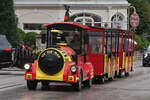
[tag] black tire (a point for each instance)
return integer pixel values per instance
(31, 85)
(126, 74)
(101, 80)
(120, 74)
(45, 84)
(88, 83)
(78, 86)
(111, 78)
(116, 74)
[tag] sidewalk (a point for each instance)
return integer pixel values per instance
(12, 71)
(138, 63)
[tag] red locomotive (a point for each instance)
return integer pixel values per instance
(77, 53)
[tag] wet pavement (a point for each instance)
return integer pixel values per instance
(134, 87)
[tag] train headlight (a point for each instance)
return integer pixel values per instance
(145, 55)
(27, 66)
(73, 69)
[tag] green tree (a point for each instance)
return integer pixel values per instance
(142, 42)
(21, 34)
(8, 24)
(30, 37)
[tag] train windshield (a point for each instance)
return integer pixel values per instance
(64, 37)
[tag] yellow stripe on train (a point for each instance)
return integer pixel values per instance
(40, 75)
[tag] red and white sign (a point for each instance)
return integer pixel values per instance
(134, 20)
(118, 25)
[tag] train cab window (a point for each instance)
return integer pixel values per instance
(58, 37)
(75, 43)
(95, 42)
(65, 37)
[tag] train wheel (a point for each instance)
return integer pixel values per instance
(120, 74)
(88, 83)
(116, 74)
(78, 86)
(45, 84)
(111, 78)
(101, 80)
(126, 74)
(31, 85)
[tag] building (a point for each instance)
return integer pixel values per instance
(32, 14)
(102, 13)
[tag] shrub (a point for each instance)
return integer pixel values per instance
(30, 37)
(142, 42)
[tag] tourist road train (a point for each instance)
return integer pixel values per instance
(78, 54)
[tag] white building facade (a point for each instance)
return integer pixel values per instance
(100, 13)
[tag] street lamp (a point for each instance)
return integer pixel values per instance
(133, 8)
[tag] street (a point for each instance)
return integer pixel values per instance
(134, 87)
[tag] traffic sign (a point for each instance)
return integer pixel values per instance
(134, 20)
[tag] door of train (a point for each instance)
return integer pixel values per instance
(95, 51)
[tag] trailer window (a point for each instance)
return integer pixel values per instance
(108, 44)
(127, 43)
(112, 42)
(95, 42)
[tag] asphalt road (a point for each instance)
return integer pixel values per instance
(134, 87)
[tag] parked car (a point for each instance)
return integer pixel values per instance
(146, 57)
(6, 53)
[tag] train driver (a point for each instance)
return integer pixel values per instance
(75, 43)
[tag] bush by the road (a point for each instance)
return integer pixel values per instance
(142, 42)
(30, 37)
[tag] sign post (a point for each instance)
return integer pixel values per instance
(134, 20)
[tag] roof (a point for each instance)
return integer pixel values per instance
(71, 26)
(46, 3)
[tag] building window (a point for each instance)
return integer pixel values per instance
(88, 19)
(85, 21)
(117, 21)
(30, 26)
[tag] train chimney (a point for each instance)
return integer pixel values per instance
(66, 17)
